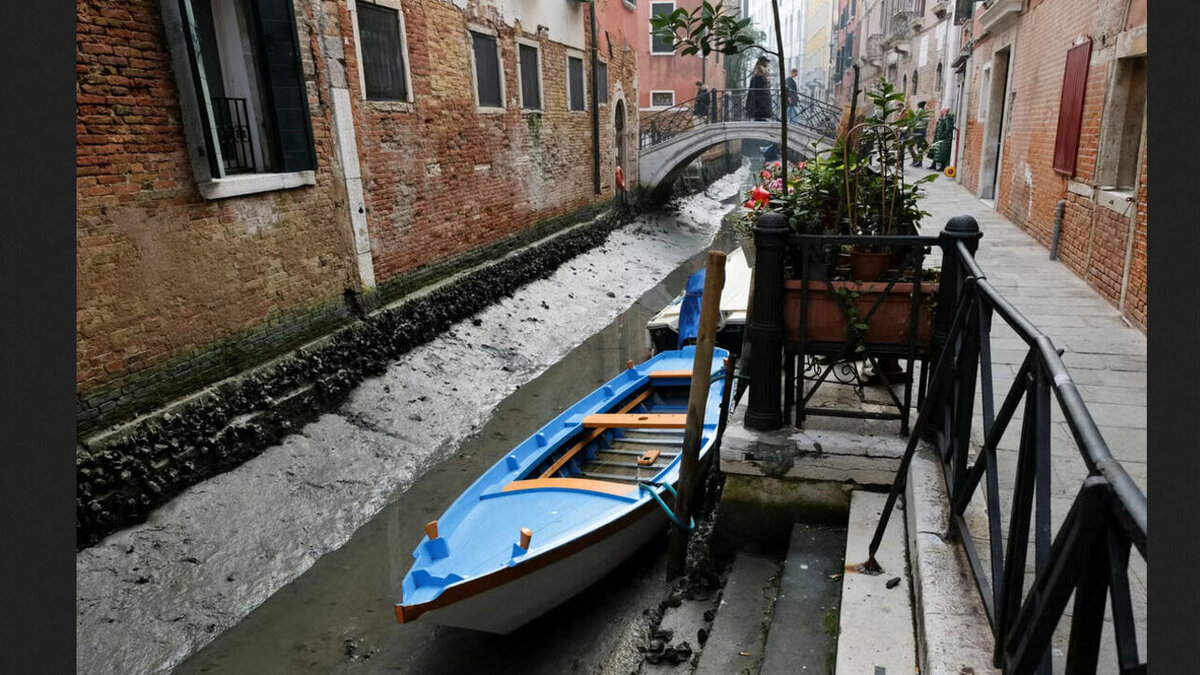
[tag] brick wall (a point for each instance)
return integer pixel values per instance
(176, 291)
(1095, 238)
(166, 278)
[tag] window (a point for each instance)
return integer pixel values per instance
(657, 44)
(243, 92)
(530, 71)
(1123, 125)
(662, 99)
(576, 100)
(489, 92)
(601, 82)
(985, 93)
(381, 49)
(1070, 110)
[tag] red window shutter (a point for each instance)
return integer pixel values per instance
(1070, 109)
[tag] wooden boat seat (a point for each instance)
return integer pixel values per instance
(665, 374)
(579, 484)
(636, 421)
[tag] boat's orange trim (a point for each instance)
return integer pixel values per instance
(637, 421)
(658, 374)
(581, 484)
(558, 464)
(466, 589)
(431, 530)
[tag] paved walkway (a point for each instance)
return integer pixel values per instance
(1105, 355)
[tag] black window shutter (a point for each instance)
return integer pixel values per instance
(531, 93)
(487, 70)
(383, 60)
(286, 88)
(575, 80)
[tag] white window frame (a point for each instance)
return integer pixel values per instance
(541, 79)
(352, 6)
(484, 30)
(661, 91)
(650, 30)
(985, 93)
(576, 54)
(215, 187)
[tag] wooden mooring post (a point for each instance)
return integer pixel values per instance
(710, 307)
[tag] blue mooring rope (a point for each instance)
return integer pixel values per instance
(649, 487)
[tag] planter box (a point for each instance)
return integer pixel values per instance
(888, 326)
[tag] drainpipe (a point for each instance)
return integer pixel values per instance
(595, 107)
(1058, 218)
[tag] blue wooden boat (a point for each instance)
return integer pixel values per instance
(565, 506)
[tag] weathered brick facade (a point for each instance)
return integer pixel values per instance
(176, 291)
(1103, 232)
(168, 282)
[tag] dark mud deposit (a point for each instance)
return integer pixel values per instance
(151, 595)
(338, 616)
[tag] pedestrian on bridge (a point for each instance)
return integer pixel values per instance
(758, 100)
(700, 105)
(793, 97)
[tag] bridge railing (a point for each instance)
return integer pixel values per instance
(737, 105)
(1088, 556)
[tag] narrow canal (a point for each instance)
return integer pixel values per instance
(338, 616)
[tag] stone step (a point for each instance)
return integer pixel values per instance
(875, 632)
(803, 634)
(735, 643)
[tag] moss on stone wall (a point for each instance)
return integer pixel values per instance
(122, 480)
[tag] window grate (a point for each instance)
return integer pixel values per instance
(531, 89)
(487, 71)
(382, 53)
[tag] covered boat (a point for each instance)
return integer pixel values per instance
(664, 326)
(565, 506)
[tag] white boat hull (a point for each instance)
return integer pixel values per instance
(510, 605)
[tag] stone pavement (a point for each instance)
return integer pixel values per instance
(1105, 355)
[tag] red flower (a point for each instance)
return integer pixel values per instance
(760, 196)
(766, 174)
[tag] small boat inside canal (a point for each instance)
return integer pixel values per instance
(566, 505)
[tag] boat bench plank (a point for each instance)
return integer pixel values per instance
(580, 484)
(636, 421)
(593, 435)
(671, 374)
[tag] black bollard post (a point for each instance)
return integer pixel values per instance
(959, 228)
(765, 412)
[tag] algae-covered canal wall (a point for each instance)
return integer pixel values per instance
(151, 595)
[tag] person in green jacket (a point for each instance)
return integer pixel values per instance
(943, 137)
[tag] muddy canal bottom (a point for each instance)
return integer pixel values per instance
(338, 617)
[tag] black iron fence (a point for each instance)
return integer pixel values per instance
(1088, 556)
(737, 105)
(844, 308)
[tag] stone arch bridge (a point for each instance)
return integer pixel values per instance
(671, 139)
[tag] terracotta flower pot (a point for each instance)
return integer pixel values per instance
(888, 326)
(868, 266)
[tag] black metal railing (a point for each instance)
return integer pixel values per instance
(736, 105)
(233, 134)
(1089, 554)
(833, 326)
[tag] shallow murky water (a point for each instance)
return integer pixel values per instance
(338, 616)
